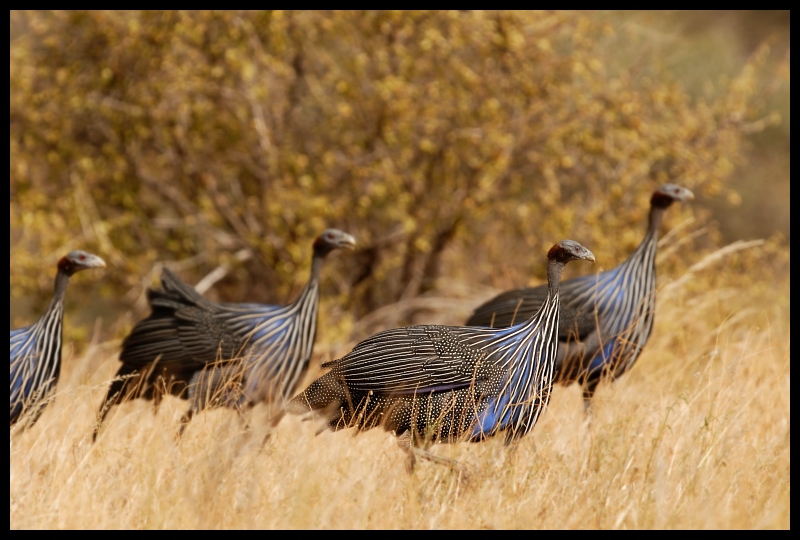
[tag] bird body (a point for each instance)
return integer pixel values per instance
(35, 353)
(606, 318)
(221, 354)
(36, 361)
(444, 371)
(446, 383)
(271, 348)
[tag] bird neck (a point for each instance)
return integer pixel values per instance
(316, 268)
(62, 279)
(554, 269)
(649, 244)
(55, 309)
(650, 241)
(654, 222)
(311, 290)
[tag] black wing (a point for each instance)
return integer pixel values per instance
(515, 306)
(417, 358)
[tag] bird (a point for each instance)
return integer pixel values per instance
(220, 354)
(606, 319)
(435, 383)
(36, 349)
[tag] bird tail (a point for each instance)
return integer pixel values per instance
(160, 334)
(174, 294)
(325, 394)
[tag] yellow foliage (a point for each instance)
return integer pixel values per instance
(445, 142)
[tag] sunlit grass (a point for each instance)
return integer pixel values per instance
(696, 436)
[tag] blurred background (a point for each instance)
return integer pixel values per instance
(456, 146)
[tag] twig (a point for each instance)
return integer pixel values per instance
(221, 271)
(707, 261)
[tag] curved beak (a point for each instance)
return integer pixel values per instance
(347, 242)
(93, 261)
(687, 195)
(588, 256)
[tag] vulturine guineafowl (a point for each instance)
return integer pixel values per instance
(36, 349)
(606, 319)
(227, 354)
(433, 383)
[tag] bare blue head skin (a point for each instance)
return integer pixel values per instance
(332, 239)
(668, 194)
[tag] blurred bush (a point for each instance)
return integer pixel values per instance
(452, 144)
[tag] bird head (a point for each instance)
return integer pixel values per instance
(332, 239)
(569, 250)
(670, 193)
(77, 260)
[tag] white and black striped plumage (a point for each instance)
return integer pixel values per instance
(447, 383)
(36, 349)
(606, 319)
(231, 354)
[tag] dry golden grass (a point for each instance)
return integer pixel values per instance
(696, 436)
